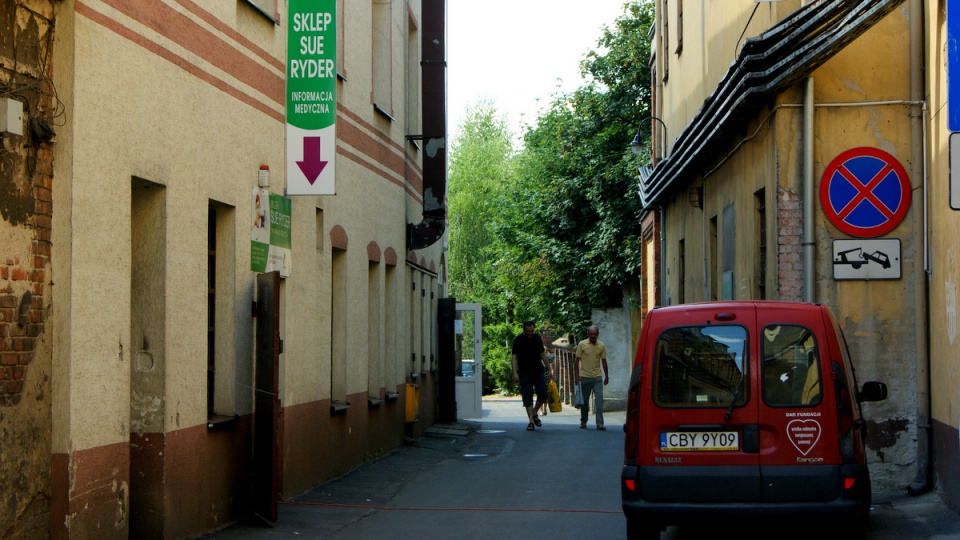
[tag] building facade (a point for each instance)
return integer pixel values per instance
(158, 382)
(795, 162)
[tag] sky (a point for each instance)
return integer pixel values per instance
(514, 52)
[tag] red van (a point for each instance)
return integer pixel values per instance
(744, 408)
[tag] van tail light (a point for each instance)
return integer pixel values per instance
(844, 414)
(630, 484)
(849, 482)
(631, 428)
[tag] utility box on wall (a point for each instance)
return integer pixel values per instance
(11, 116)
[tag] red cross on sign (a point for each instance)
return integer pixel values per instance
(865, 192)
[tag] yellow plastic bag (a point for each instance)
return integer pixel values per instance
(553, 396)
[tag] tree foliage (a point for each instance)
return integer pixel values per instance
(550, 231)
(481, 168)
(572, 220)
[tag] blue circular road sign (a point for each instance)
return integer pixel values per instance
(865, 192)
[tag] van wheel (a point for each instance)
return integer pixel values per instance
(636, 530)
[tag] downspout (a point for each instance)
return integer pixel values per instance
(433, 48)
(808, 198)
(918, 138)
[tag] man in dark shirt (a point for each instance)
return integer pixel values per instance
(529, 358)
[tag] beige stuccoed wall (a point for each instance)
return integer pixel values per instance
(944, 227)
(154, 133)
(710, 45)
(126, 117)
(945, 277)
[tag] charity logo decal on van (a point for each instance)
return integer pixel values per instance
(803, 434)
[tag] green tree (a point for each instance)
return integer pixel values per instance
(570, 221)
(481, 167)
(551, 231)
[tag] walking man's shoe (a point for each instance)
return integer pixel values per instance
(601, 428)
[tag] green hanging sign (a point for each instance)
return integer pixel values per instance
(311, 97)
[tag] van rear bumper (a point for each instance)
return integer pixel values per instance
(849, 505)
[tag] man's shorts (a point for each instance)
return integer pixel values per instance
(530, 384)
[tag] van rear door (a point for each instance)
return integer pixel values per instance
(699, 441)
(799, 444)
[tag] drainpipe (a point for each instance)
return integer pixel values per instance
(918, 138)
(434, 111)
(808, 199)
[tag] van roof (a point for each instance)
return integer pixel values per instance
(741, 304)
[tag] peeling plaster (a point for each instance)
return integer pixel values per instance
(951, 305)
(434, 145)
(885, 434)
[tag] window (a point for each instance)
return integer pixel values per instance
(412, 101)
(319, 227)
(391, 345)
(414, 321)
(148, 310)
(679, 27)
(221, 304)
(374, 332)
(791, 367)
(666, 40)
(714, 277)
(211, 307)
(760, 240)
(681, 273)
(382, 58)
(701, 366)
(728, 253)
(338, 330)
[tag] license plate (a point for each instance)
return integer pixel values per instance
(699, 441)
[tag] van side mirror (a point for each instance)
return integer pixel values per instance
(873, 391)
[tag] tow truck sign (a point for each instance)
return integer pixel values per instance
(866, 259)
(311, 97)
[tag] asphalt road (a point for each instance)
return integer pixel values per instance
(490, 478)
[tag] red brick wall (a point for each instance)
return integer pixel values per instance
(26, 209)
(789, 246)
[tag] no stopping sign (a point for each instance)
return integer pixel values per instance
(865, 192)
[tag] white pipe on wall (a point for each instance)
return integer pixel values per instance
(808, 199)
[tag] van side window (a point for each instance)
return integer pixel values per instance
(701, 366)
(791, 367)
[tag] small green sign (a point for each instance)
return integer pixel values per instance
(270, 241)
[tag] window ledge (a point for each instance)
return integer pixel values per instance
(373, 402)
(391, 396)
(339, 407)
(221, 421)
(383, 112)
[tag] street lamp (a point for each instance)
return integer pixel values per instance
(637, 144)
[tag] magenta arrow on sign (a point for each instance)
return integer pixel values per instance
(312, 164)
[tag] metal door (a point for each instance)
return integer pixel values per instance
(266, 418)
(468, 360)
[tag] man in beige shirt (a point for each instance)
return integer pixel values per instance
(591, 355)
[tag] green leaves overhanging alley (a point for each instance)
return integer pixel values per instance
(548, 229)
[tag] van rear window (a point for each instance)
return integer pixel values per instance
(791, 369)
(701, 366)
